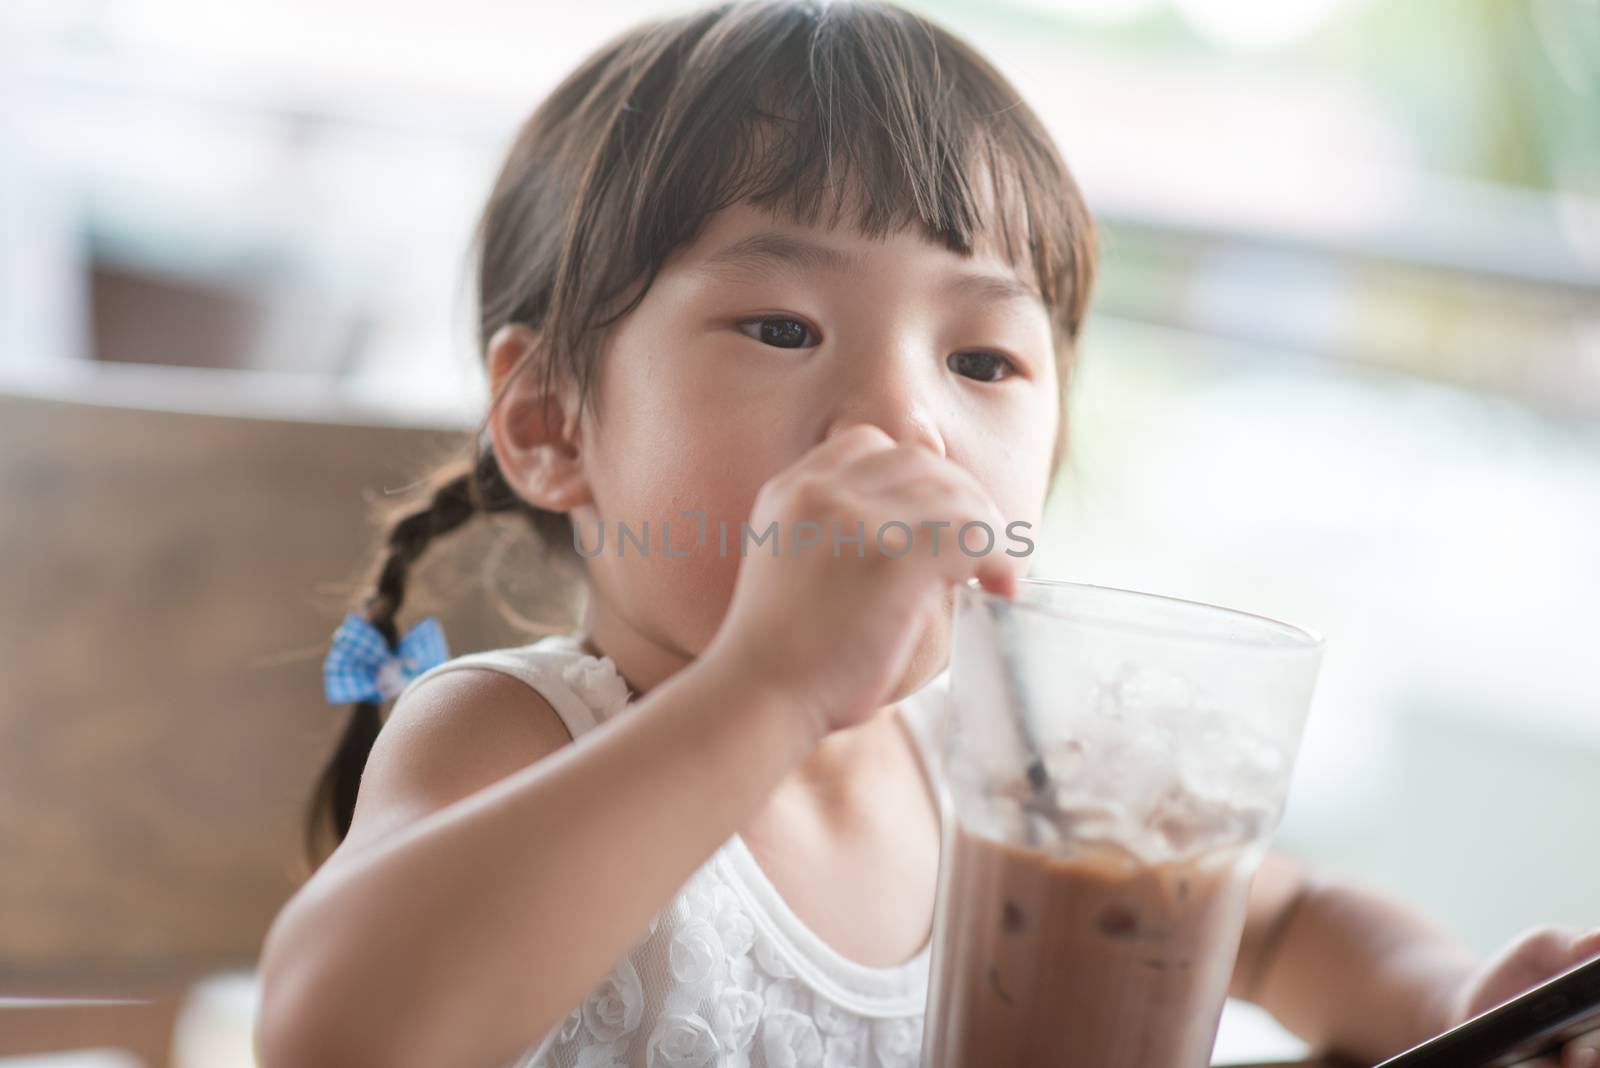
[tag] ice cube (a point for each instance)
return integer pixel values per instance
(1065, 759)
(1140, 691)
(1229, 763)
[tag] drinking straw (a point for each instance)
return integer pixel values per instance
(1021, 718)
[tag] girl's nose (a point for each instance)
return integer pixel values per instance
(906, 422)
(887, 383)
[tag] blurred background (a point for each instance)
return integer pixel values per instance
(1343, 368)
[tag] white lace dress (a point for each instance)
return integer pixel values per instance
(726, 975)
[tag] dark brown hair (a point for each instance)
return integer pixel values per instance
(784, 105)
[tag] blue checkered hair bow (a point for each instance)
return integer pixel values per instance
(360, 667)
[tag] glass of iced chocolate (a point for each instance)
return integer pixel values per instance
(1114, 765)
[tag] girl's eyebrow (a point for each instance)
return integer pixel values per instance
(788, 254)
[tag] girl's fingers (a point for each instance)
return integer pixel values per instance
(1582, 1052)
(999, 578)
(1586, 945)
(1547, 952)
(839, 448)
(844, 445)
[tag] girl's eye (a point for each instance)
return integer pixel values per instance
(980, 365)
(786, 332)
(780, 331)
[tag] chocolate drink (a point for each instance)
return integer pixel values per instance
(1096, 959)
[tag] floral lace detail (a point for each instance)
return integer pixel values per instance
(847, 1050)
(734, 1002)
(597, 682)
(790, 1040)
(613, 1009)
(683, 1040)
(732, 997)
(897, 1043)
(606, 1055)
(735, 1019)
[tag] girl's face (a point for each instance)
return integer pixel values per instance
(752, 345)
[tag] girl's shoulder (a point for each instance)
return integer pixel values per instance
(471, 721)
(583, 690)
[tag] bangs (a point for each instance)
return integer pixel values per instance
(857, 113)
(863, 115)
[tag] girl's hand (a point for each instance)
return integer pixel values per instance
(1527, 962)
(832, 633)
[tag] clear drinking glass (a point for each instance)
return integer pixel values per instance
(1116, 763)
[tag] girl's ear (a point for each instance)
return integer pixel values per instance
(535, 433)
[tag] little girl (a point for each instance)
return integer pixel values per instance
(751, 268)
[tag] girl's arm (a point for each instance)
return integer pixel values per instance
(466, 932)
(475, 922)
(1350, 970)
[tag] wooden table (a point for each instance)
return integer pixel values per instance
(143, 1027)
(1317, 1062)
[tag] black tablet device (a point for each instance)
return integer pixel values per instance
(1529, 1025)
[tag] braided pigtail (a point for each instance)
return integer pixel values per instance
(459, 493)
